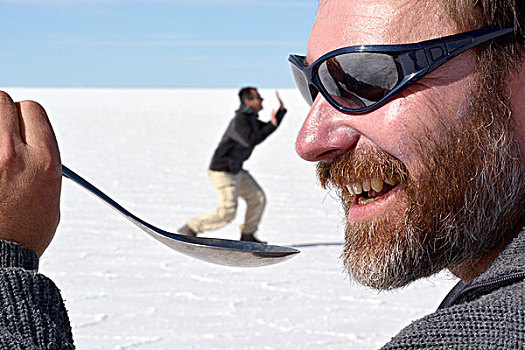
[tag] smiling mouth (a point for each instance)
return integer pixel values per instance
(370, 190)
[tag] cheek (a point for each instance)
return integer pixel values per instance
(415, 121)
(398, 129)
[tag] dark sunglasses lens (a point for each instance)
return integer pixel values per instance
(302, 84)
(358, 79)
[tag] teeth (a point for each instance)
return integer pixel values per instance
(391, 182)
(363, 201)
(357, 187)
(377, 184)
(366, 185)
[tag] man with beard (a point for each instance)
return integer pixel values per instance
(419, 125)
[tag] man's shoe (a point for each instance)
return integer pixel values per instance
(249, 237)
(185, 230)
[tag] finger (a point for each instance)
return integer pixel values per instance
(9, 123)
(35, 127)
(279, 98)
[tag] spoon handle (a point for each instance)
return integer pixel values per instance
(70, 174)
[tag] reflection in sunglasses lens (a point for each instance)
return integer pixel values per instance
(358, 79)
(302, 84)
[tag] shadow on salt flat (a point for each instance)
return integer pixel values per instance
(319, 244)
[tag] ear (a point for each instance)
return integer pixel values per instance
(517, 104)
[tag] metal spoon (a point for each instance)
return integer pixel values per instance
(218, 251)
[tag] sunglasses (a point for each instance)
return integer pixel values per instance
(360, 79)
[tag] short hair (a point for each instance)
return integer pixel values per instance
(246, 93)
(498, 58)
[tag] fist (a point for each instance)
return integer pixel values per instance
(30, 175)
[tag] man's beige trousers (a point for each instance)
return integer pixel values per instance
(229, 188)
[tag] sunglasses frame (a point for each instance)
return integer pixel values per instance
(416, 60)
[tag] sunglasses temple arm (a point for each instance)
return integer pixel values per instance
(445, 50)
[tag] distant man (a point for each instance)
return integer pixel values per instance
(226, 172)
(427, 153)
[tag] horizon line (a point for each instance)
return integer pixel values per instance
(140, 87)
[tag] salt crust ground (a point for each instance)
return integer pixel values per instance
(149, 150)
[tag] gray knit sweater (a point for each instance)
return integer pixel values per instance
(487, 313)
(32, 312)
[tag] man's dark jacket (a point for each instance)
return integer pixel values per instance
(244, 132)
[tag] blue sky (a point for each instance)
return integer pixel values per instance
(152, 43)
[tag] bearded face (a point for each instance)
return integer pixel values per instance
(465, 192)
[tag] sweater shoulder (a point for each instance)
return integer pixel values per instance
(493, 321)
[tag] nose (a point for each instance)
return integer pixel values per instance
(326, 133)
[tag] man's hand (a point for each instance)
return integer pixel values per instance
(30, 175)
(281, 104)
(274, 120)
